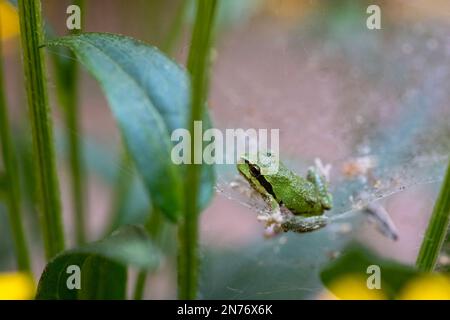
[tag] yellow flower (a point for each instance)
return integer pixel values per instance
(16, 286)
(9, 20)
(354, 287)
(427, 287)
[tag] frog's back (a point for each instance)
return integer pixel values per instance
(295, 193)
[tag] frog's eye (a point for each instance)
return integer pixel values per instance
(269, 154)
(254, 170)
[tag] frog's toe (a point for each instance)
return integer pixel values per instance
(272, 231)
(323, 169)
(263, 217)
(327, 203)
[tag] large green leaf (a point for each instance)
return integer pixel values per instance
(102, 264)
(355, 260)
(149, 96)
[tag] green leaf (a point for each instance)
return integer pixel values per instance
(149, 97)
(102, 265)
(355, 260)
(100, 278)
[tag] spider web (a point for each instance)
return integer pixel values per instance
(372, 104)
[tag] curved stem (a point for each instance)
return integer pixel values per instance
(437, 228)
(41, 127)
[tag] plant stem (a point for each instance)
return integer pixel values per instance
(67, 71)
(437, 228)
(121, 190)
(76, 166)
(12, 179)
(140, 285)
(154, 227)
(198, 66)
(41, 127)
(175, 28)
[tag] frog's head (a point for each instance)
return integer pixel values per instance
(256, 164)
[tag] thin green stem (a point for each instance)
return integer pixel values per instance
(41, 127)
(121, 191)
(67, 74)
(140, 285)
(76, 165)
(154, 228)
(198, 66)
(176, 27)
(12, 178)
(437, 228)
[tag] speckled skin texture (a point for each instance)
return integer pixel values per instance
(301, 196)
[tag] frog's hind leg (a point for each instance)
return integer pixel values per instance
(304, 224)
(320, 182)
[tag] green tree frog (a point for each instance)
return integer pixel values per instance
(296, 203)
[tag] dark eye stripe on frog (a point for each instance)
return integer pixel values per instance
(255, 172)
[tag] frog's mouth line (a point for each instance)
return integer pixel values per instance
(256, 172)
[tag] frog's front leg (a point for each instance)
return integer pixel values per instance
(274, 217)
(303, 224)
